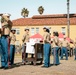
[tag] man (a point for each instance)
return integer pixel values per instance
(47, 47)
(5, 42)
(0, 45)
(0, 52)
(12, 46)
(75, 48)
(64, 49)
(24, 40)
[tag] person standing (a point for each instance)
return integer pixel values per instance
(0, 48)
(47, 47)
(55, 49)
(64, 49)
(75, 48)
(12, 46)
(25, 39)
(5, 41)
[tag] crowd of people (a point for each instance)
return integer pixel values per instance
(7, 45)
(55, 45)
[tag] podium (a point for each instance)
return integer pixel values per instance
(37, 56)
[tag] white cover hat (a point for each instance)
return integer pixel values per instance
(26, 29)
(6, 14)
(45, 27)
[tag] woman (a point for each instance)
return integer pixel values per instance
(46, 48)
(55, 48)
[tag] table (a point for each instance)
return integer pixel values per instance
(37, 56)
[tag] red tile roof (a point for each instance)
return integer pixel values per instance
(60, 19)
(53, 16)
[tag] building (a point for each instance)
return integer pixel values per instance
(57, 22)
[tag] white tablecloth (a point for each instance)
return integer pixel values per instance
(30, 47)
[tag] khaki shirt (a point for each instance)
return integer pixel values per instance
(65, 43)
(6, 26)
(75, 44)
(71, 45)
(0, 35)
(25, 38)
(46, 37)
(60, 43)
(55, 41)
(13, 39)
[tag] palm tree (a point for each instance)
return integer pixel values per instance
(24, 12)
(41, 10)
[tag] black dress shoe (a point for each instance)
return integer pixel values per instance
(56, 64)
(31, 63)
(6, 68)
(23, 63)
(49, 65)
(1, 67)
(44, 66)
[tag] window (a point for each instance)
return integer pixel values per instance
(37, 30)
(17, 31)
(63, 30)
(32, 31)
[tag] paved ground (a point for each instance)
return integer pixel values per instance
(67, 67)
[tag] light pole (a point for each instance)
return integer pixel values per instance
(68, 19)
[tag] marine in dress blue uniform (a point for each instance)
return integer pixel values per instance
(25, 39)
(75, 48)
(47, 47)
(12, 46)
(55, 49)
(64, 49)
(5, 42)
(0, 48)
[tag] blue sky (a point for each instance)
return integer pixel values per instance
(51, 7)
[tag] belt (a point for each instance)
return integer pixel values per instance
(4, 35)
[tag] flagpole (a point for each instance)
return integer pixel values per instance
(68, 19)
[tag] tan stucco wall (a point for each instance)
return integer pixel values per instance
(53, 28)
(73, 31)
